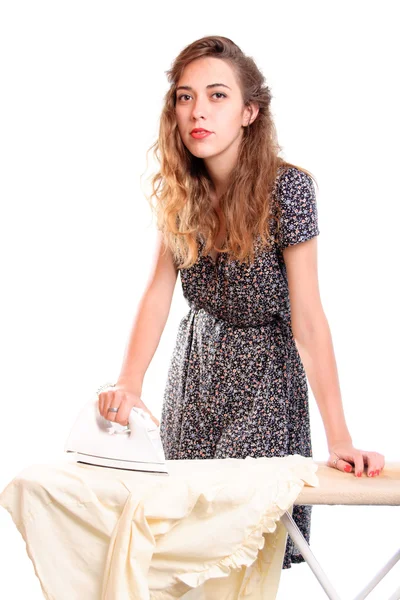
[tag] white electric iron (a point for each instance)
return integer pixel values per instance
(97, 441)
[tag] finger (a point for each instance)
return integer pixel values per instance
(373, 464)
(380, 466)
(100, 404)
(112, 401)
(345, 466)
(367, 460)
(348, 467)
(121, 419)
(339, 465)
(374, 461)
(342, 464)
(104, 400)
(103, 404)
(380, 461)
(358, 459)
(122, 416)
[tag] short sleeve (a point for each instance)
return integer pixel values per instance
(298, 219)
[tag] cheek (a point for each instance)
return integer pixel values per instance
(229, 125)
(181, 129)
(179, 119)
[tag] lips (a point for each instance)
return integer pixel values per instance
(199, 134)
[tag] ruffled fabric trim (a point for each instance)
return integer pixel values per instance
(292, 478)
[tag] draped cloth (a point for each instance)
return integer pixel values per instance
(209, 530)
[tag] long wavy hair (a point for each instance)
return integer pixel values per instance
(182, 185)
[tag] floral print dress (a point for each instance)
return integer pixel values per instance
(236, 385)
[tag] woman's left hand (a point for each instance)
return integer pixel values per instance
(351, 459)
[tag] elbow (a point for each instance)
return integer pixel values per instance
(306, 326)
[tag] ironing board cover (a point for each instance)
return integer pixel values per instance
(210, 529)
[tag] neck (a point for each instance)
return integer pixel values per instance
(220, 166)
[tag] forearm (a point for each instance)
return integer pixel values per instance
(147, 328)
(317, 354)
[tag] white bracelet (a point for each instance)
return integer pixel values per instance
(104, 387)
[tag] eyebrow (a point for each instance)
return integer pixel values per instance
(212, 85)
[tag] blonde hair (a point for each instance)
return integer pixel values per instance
(182, 185)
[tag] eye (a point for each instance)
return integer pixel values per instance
(188, 96)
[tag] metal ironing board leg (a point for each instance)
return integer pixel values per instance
(309, 557)
(396, 595)
(378, 577)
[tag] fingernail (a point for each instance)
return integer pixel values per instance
(347, 468)
(371, 474)
(359, 474)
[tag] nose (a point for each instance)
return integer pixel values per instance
(198, 109)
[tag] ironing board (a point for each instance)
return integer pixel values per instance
(336, 488)
(209, 529)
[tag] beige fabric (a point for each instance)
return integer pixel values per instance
(337, 487)
(209, 530)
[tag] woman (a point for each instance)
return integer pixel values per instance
(240, 224)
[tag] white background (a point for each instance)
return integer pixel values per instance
(82, 86)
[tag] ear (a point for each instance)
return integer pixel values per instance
(250, 113)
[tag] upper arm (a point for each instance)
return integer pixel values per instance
(164, 272)
(297, 239)
(302, 272)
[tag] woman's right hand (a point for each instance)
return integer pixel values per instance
(123, 397)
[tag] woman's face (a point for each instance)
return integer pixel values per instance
(200, 103)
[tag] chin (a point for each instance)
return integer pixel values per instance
(202, 152)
